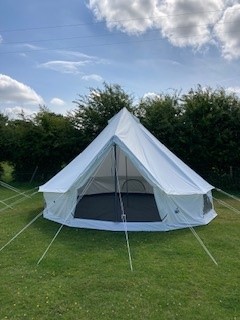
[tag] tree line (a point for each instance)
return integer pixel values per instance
(202, 127)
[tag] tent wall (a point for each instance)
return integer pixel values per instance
(158, 165)
(157, 212)
(183, 210)
(143, 166)
(60, 205)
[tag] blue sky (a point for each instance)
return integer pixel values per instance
(52, 51)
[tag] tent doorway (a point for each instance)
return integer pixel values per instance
(117, 178)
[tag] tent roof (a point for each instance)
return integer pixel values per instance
(162, 167)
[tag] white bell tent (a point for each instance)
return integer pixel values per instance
(124, 179)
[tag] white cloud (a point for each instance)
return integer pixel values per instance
(94, 77)
(15, 92)
(182, 22)
(235, 90)
(57, 102)
(30, 46)
(69, 66)
(1, 39)
(77, 54)
(228, 32)
(128, 16)
(16, 112)
(189, 22)
(64, 66)
(151, 95)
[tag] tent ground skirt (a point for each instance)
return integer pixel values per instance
(138, 207)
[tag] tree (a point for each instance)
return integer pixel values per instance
(3, 140)
(211, 128)
(160, 115)
(43, 144)
(19, 148)
(95, 109)
(57, 141)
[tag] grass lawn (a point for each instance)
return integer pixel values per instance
(86, 275)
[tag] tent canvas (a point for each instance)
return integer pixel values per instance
(127, 168)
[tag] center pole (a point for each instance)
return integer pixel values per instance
(115, 183)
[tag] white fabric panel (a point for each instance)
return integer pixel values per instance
(209, 194)
(107, 166)
(131, 226)
(106, 185)
(103, 176)
(178, 210)
(152, 159)
(141, 160)
(161, 202)
(92, 170)
(209, 216)
(124, 165)
(80, 166)
(185, 209)
(162, 167)
(59, 205)
(100, 185)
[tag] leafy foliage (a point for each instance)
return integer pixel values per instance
(211, 128)
(58, 141)
(161, 116)
(95, 109)
(41, 145)
(3, 140)
(202, 127)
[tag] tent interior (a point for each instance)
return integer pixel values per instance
(117, 184)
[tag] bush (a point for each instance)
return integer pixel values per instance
(1, 172)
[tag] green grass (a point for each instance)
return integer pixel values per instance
(86, 275)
